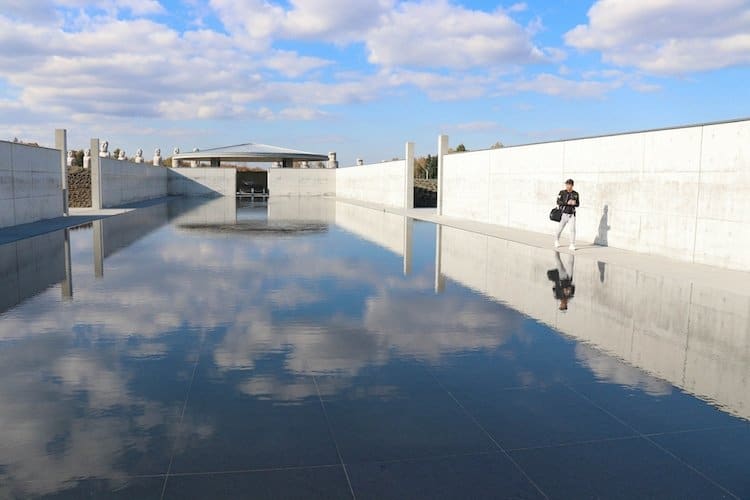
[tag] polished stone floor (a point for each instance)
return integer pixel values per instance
(323, 350)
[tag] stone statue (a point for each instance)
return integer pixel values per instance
(175, 161)
(194, 163)
(360, 162)
(138, 156)
(87, 159)
(332, 162)
(104, 149)
(71, 157)
(122, 156)
(157, 157)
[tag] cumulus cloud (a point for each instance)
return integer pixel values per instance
(442, 34)
(668, 36)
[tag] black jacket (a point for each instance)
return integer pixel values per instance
(562, 201)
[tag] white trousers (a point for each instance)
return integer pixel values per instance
(567, 219)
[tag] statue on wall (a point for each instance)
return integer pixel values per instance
(104, 149)
(87, 159)
(70, 158)
(138, 156)
(195, 163)
(122, 156)
(157, 157)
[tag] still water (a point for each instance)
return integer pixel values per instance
(315, 349)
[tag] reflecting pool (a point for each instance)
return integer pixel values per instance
(308, 348)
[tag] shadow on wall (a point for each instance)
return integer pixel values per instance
(604, 227)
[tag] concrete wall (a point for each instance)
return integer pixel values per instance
(301, 182)
(125, 182)
(202, 181)
(30, 184)
(381, 183)
(691, 335)
(681, 193)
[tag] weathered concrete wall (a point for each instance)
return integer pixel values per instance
(681, 193)
(301, 181)
(382, 183)
(127, 182)
(202, 181)
(691, 335)
(30, 184)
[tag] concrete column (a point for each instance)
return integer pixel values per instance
(215, 162)
(409, 181)
(442, 151)
(61, 143)
(96, 177)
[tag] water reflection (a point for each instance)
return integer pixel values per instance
(562, 276)
(97, 386)
(694, 336)
(30, 266)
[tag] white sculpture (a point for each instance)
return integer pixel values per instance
(360, 162)
(104, 150)
(194, 163)
(139, 156)
(87, 159)
(175, 161)
(122, 156)
(332, 162)
(157, 157)
(71, 157)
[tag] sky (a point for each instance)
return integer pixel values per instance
(363, 77)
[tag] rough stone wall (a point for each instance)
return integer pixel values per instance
(79, 188)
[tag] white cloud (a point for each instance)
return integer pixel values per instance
(667, 36)
(440, 34)
(549, 84)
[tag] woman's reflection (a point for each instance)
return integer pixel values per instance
(562, 276)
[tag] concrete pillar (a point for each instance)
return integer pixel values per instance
(96, 177)
(442, 151)
(215, 162)
(61, 143)
(409, 180)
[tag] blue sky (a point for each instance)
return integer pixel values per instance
(361, 78)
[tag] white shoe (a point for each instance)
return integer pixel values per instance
(557, 244)
(572, 247)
